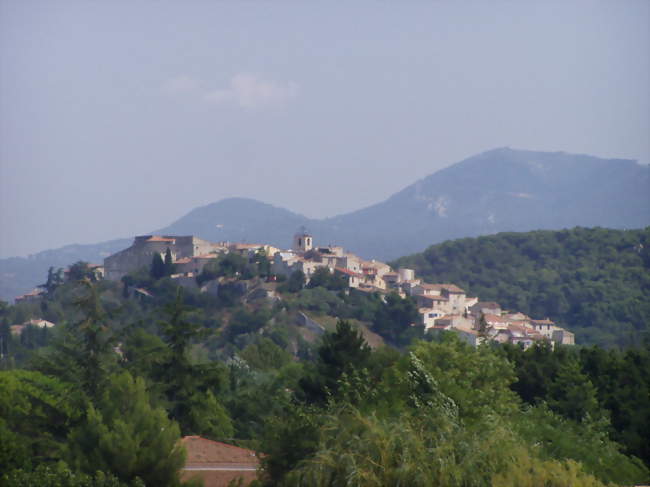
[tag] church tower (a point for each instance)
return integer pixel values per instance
(302, 241)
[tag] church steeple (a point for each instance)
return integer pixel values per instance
(302, 241)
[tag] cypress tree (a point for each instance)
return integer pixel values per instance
(169, 264)
(157, 266)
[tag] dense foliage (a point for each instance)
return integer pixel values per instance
(595, 282)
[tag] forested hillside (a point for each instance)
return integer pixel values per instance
(595, 282)
(102, 398)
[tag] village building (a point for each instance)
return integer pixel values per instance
(485, 307)
(144, 247)
(39, 323)
(218, 464)
(33, 295)
(308, 259)
(441, 306)
(249, 250)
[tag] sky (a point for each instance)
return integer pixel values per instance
(116, 118)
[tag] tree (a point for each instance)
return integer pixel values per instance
(323, 277)
(189, 388)
(60, 475)
(398, 320)
(79, 271)
(54, 279)
(169, 263)
(342, 352)
(157, 266)
(572, 394)
(36, 412)
(82, 351)
(482, 327)
(295, 282)
(477, 380)
(263, 263)
(265, 355)
(97, 340)
(124, 434)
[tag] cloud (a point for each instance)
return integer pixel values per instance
(250, 91)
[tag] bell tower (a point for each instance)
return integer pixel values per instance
(303, 241)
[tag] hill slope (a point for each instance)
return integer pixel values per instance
(596, 282)
(496, 191)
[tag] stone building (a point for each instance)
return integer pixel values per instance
(141, 253)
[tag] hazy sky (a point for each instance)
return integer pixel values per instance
(117, 117)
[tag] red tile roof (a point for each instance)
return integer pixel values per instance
(218, 464)
(452, 288)
(348, 272)
(201, 451)
(543, 322)
(432, 298)
(156, 238)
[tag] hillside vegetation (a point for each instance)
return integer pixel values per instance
(595, 282)
(102, 398)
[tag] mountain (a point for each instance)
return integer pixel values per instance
(496, 191)
(502, 190)
(239, 220)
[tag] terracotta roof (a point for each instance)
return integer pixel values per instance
(156, 238)
(184, 260)
(143, 291)
(432, 298)
(217, 464)
(543, 322)
(33, 292)
(205, 256)
(437, 287)
(495, 318)
(466, 330)
(348, 272)
(525, 331)
(448, 317)
(201, 451)
(452, 288)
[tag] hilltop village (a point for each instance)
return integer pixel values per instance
(441, 306)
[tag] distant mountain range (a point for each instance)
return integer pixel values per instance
(496, 191)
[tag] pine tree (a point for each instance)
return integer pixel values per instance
(189, 387)
(342, 352)
(125, 435)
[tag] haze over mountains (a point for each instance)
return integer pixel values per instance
(499, 190)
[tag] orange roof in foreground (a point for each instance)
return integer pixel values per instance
(201, 451)
(218, 464)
